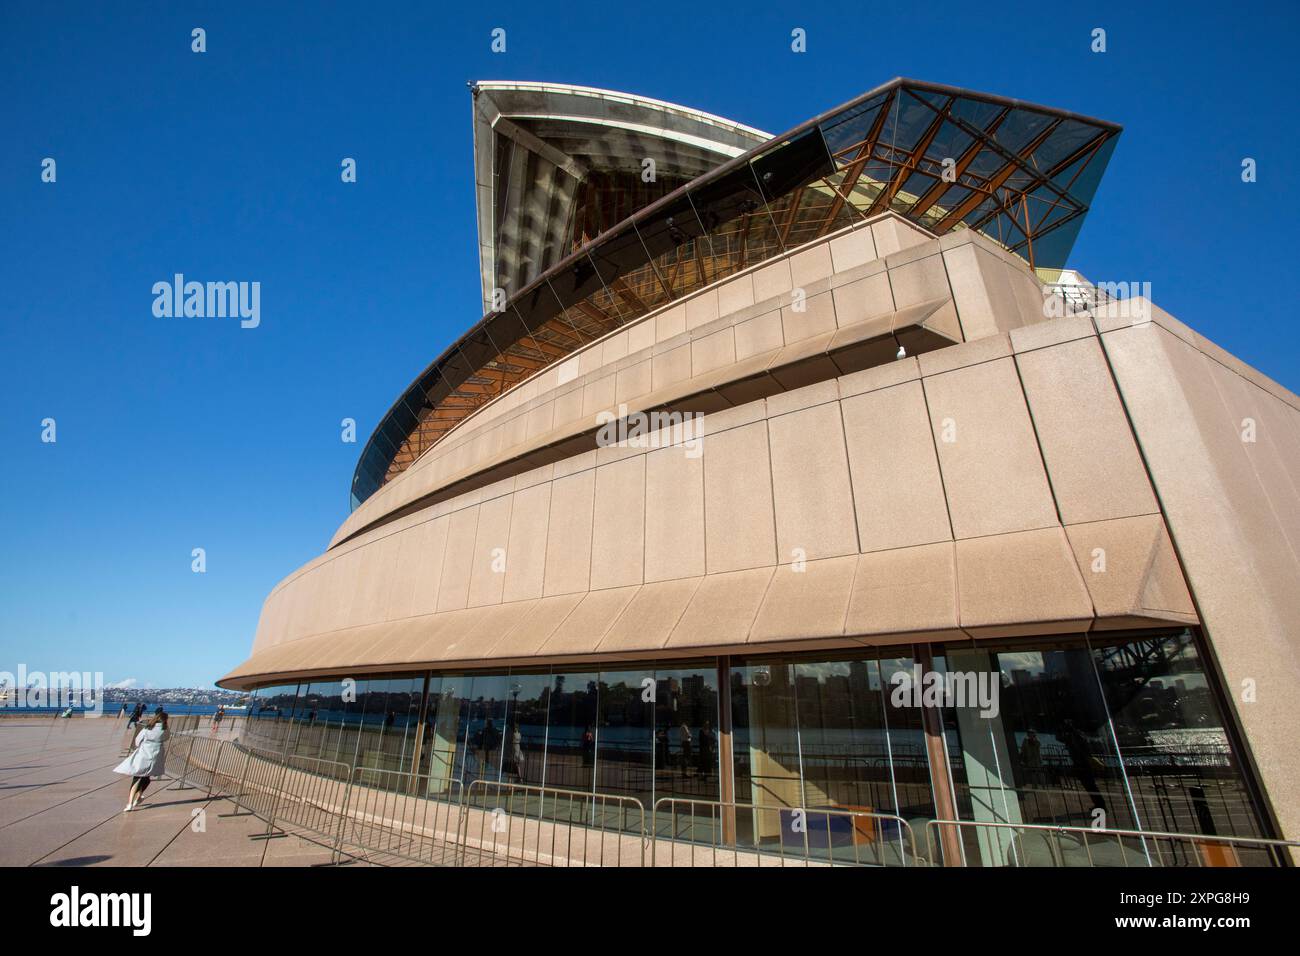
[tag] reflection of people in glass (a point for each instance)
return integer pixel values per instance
(489, 741)
(685, 740)
(1031, 758)
(1083, 760)
(588, 747)
(661, 747)
(708, 741)
(514, 762)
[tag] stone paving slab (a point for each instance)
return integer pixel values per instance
(61, 805)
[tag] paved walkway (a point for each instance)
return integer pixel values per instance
(61, 805)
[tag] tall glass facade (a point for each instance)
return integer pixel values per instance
(645, 733)
(1118, 732)
(1121, 732)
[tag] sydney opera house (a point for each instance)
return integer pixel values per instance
(758, 431)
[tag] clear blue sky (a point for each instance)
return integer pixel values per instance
(175, 434)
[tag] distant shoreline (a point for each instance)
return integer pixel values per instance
(111, 710)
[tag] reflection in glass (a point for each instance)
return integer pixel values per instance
(625, 735)
(1182, 769)
(571, 732)
(523, 751)
(483, 728)
(1121, 732)
(686, 740)
(766, 743)
(445, 743)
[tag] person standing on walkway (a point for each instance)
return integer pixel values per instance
(135, 716)
(146, 760)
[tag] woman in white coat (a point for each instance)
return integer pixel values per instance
(145, 760)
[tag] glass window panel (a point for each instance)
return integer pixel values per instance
(446, 745)
(326, 698)
(373, 705)
(908, 754)
(1020, 127)
(347, 748)
(1182, 768)
(977, 113)
(792, 164)
(484, 732)
(912, 118)
(1064, 141)
(765, 744)
(1038, 753)
(1063, 764)
(853, 125)
(625, 736)
(686, 722)
(272, 716)
(401, 721)
(524, 747)
(571, 732)
(843, 743)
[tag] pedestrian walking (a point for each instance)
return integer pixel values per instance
(146, 760)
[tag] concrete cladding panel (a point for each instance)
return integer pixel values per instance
(992, 469)
(526, 548)
(674, 515)
(1225, 500)
(491, 548)
(1083, 432)
(810, 484)
(739, 531)
(453, 589)
(618, 532)
(568, 540)
(898, 493)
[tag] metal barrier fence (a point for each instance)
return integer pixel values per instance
(402, 816)
(395, 817)
(982, 843)
(514, 824)
(228, 728)
(718, 833)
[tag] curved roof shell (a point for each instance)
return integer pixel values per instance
(537, 144)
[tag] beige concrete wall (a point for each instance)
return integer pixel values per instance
(965, 493)
(968, 287)
(1233, 508)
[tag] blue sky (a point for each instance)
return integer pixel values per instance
(175, 434)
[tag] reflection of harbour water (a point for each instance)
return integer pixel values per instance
(111, 709)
